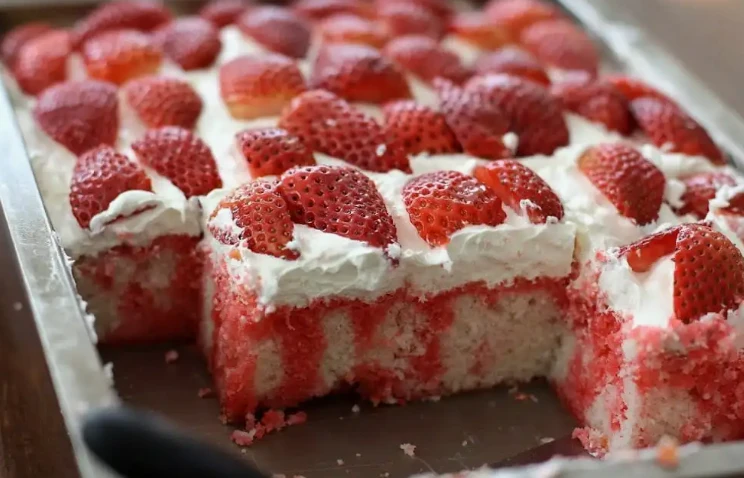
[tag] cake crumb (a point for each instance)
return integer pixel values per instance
(297, 418)
(235, 254)
(339, 462)
(408, 449)
(384, 475)
(545, 440)
(17, 306)
(171, 356)
(667, 453)
(464, 443)
(358, 455)
(205, 392)
(242, 437)
(356, 409)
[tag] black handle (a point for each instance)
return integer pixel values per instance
(138, 444)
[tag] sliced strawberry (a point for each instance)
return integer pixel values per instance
(517, 15)
(143, 16)
(161, 101)
(223, 12)
(708, 268)
(426, 59)
(42, 61)
(402, 18)
(478, 30)
(562, 45)
(192, 42)
(120, 55)
(79, 115)
(440, 8)
(535, 116)
(512, 61)
(277, 29)
(521, 189)
(181, 157)
(347, 28)
(667, 126)
(338, 200)
(700, 189)
(100, 175)
(443, 202)
(322, 9)
(418, 129)
(358, 73)
(330, 125)
(256, 86)
(261, 214)
(19, 36)
(629, 181)
(271, 151)
(633, 88)
(597, 101)
(478, 126)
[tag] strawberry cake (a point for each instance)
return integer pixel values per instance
(403, 199)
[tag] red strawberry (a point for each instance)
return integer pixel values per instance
(330, 125)
(262, 215)
(144, 16)
(443, 202)
(708, 268)
(181, 157)
(517, 15)
(401, 18)
(667, 126)
(100, 175)
(418, 129)
(161, 101)
(630, 182)
(358, 73)
(322, 9)
(512, 61)
(347, 28)
(426, 59)
(120, 55)
(223, 12)
(700, 189)
(79, 115)
(633, 88)
(535, 116)
(338, 200)
(271, 151)
(277, 29)
(19, 36)
(597, 101)
(440, 8)
(521, 189)
(478, 126)
(192, 42)
(562, 45)
(255, 86)
(42, 61)
(477, 29)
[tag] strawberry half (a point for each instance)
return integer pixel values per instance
(402, 18)
(358, 73)
(181, 157)
(418, 129)
(521, 189)
(322, 9)
(629, 181)
(708, 268)
(120, 55)
(223, 12)
(633, 88)
(596, 101)
(261, 214)
(338, 200)
(563, 45)
(277, 29)
(535, 116)
(256, 86)
(271, 151)
(440, 8)
(426, 59)
(100, 175)
(14, 40)
(143, 16)
(347, 28)
(478, 30)
(330, 125)
(192, 42)
(443, 202)
(667, 126)
(79, 115)
(42, 61)
(478, 126)
(516, 15)
(160, 101)
(700, 189)
(512, 61)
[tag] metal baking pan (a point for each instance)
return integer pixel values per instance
(57, 373)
